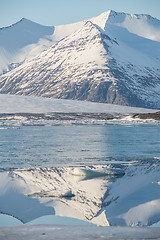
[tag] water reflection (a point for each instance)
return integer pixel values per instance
(6, 220)
(52, 219)
(97, 194)
(28, 194)
(131, 143)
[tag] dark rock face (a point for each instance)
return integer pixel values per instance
(60, 116)
(155, 116)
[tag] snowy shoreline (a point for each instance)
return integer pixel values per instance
(57, 119)
(37, 111)
(49, 232)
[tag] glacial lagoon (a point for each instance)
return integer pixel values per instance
(40, 184)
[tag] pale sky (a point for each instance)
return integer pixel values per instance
(58, 12)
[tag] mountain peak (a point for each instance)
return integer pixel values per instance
(28, 21)
(18, 22)
(140, 24)
(112, 12)
(24, 19)
(90, 26)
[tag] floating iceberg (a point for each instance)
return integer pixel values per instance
(88, 173)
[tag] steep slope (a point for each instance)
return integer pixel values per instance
(22, 40)
(136, 58)
(107, 59)
(66, 69)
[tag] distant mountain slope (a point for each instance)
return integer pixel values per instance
(20, 41)
(26, 39)
(112, 58)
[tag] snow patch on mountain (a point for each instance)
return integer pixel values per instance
(139, 24)
(63, 31)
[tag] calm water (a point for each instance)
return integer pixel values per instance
(50, 146)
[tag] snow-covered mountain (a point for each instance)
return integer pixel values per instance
(111, 58)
